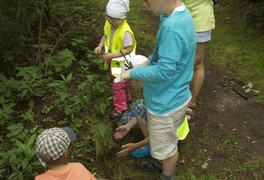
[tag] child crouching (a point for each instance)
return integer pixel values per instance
(52, 148)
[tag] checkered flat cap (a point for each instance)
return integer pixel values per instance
(52, 143)
(138, 108)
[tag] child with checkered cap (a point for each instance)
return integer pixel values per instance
(52, 147)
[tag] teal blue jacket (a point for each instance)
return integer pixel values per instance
(170, 70)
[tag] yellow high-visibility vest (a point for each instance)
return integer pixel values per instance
(183, 129)
(117, 45)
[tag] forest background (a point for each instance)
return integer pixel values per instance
(49, 74)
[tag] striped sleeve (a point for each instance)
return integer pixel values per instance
(127, 40)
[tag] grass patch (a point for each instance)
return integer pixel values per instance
(238, 47)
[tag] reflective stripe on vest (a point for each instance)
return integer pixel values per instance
(118, 63)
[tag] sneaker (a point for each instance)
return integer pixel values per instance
(141, 152)
(151, 164)
(114, 114)
(163, 177)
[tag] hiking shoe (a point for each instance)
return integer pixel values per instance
(114, 114)
(151, 164)
(163, 177)
(141, 152)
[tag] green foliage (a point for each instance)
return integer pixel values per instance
(248, 87)
(27, 85)
(241, 49)
(62, 60)
(18, 21)
(20, 160)
(7, 86)
(60, 87)
(6, 110)
(253, 12)
(30, 82)
(54, 78)
(33, 30)
(28, 115)
(254, 166)
(102, 137)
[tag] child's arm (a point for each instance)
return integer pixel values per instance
(128, 148)
(98, 49)
(121, 131)
(127, 50)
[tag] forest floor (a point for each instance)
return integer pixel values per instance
(226, 138)
(231, 126)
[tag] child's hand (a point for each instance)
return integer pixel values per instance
(121, 131)
(127, 149)
(97, 50)
(125, 75)
(108, 57)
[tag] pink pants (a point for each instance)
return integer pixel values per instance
(121, 95)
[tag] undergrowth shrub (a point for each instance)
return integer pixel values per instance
(102, 137)
(20, 159)
(53, 80)
(252, 12)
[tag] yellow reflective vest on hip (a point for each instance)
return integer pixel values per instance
(117, 45)
(183, 129)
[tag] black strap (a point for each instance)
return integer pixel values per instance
(216, 1)
(128, 64)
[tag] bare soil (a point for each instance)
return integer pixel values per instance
(230, 127)
(237, 117)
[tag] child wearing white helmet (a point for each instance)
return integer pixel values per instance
(118, 42)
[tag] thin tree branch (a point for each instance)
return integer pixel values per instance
(54, 47)
(39, 34)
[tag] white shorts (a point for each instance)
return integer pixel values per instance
(163, 137)
(203, 36)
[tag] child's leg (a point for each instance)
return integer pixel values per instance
(128, 94)
(119, 96)
(164, 139)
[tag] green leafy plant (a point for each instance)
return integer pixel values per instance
(6, 110)
(7, 86)
(30, 82)
(19, 161)
(60, 87)
(102, 137)
(61, 60)
(248, 87)
(28, 115)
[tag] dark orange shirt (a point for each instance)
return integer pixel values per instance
(73, 171)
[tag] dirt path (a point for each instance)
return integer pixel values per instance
(239, 118)
(230, 128)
